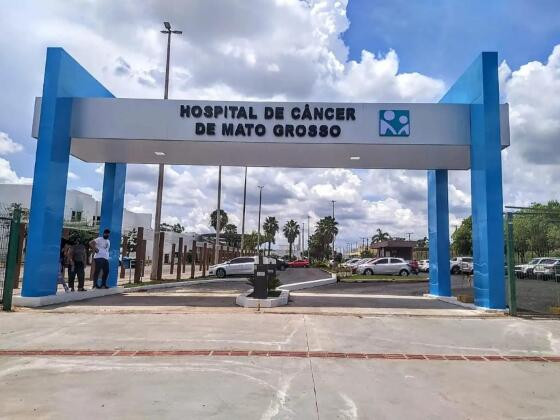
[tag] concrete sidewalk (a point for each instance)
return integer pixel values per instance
(272, 331)
(227, 385)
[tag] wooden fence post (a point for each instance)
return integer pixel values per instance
(193, 259)
(172, 258)
(139, 262)
(184, 258)
(204, 259)
(124, 246)
(161, 240)
(180, 258)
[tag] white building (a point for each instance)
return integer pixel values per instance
(79, 206)
(83, 207)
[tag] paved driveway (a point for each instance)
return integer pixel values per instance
(275, 366)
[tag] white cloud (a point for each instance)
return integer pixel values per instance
(263, 50)
(8, 175)
(72, 175)
(7, 145)
(531, 164)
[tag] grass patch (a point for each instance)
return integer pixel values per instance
(358, 278)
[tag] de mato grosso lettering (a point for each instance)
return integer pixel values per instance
(308, 121)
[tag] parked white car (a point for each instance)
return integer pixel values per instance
(355, 264)
(526, 270)
(237, 266)
(390, 266)
(349, 262)
(547, 268)
(461, 265)
(424, 266)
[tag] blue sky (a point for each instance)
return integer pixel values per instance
(294, 50)
(441, 37)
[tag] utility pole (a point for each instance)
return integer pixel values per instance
(333, 251)
(409, 234)
(303, 239)
(218, 218)
(243, 217)
(157, 222)
(260, 187)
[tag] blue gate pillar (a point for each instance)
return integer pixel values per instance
(478, 86)
(112, 204)
(64, 79)
(438, 233)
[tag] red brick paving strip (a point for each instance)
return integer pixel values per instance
(280, 353)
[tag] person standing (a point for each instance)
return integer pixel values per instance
(77, 264)
(100, 246)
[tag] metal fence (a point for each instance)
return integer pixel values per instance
(533, 288)
(9, 242)
(5, 223)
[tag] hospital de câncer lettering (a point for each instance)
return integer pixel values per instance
(277, 113)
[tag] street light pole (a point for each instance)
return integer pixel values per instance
(218, 218)
(243, 217)
(333, 251)
(303, 239)
(260, 187)
(161, 172)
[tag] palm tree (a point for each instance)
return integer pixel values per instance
(380, 236)
(291, 231)
(230, 234)
(328, 228)
(270, 228)
(223, 219)
(325, 233)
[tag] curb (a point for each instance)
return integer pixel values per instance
(64, 297)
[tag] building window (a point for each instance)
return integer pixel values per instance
(76, 216)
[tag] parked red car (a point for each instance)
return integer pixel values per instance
(299, 263)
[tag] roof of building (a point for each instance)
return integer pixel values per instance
(394, 243)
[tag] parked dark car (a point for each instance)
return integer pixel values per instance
(281, 264)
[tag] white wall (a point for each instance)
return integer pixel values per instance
(75, 201)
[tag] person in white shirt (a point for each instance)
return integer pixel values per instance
(101, 247)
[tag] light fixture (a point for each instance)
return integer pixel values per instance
(159, 153)
(354, 157)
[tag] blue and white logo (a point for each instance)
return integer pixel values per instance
(394, 123)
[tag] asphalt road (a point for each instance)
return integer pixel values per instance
(297, 275)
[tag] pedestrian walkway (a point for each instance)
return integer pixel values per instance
(260, 365)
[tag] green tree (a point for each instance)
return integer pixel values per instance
(223, 219)
(132, 240)
(321, 240)
(230, 234)
(23, 211)
(462, 238)
(380, 236)
(270, 228)
(177, 228)
(251, 241)
(291, 231)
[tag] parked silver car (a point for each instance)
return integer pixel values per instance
(386, 265)
(547, 268)
(461, 265)
(526, 270)
(235, 267)
(350, 262)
